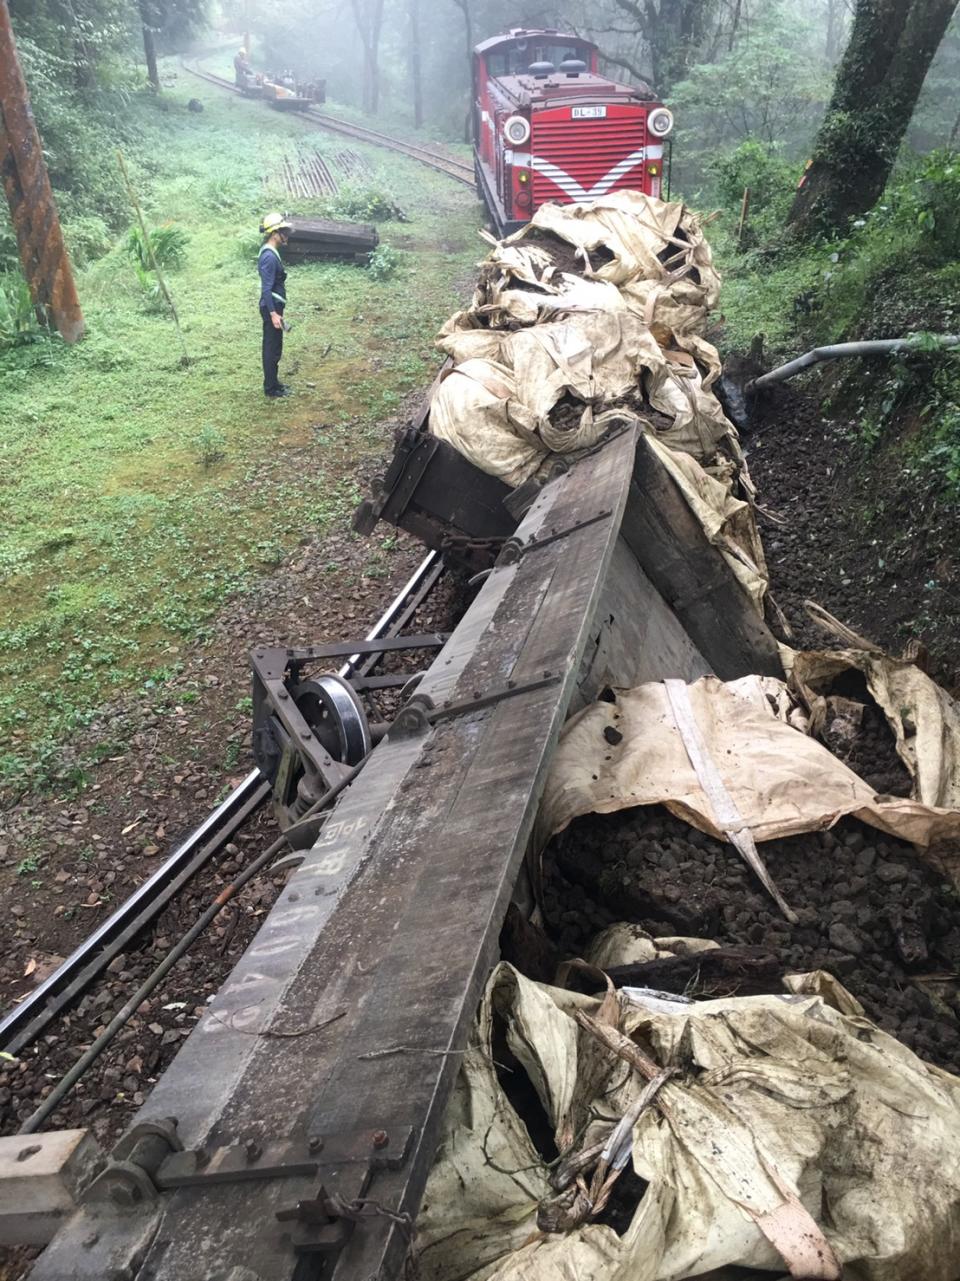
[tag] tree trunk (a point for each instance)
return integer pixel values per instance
(368, 15)
(376, 23)
(735, 24)
(878, 82)
(673, 32)
(416, 76)
(150, 52)
(464, 7)
(834, 31)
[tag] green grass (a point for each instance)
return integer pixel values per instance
(139, 494)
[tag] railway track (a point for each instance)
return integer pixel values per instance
(454, 169)
(32, 1016)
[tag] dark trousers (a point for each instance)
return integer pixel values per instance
(272, 351)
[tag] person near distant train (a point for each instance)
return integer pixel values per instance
(273, 299)
(242, 70)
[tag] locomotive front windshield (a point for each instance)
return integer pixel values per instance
(516, 58)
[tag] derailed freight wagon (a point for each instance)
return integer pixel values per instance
(340, 1110)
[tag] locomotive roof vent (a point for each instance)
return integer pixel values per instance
(572, 67)
(540, 70)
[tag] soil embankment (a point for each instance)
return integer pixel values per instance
(862, 534)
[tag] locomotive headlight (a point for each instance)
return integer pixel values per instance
(516, 130)
(660, 122)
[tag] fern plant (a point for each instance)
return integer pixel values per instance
(18, 316)
(169, 245)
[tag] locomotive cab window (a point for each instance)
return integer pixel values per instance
(516, 59)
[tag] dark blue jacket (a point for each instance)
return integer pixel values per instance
(273, 289)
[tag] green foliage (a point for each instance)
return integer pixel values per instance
(761, 168)
(227, 192)
(88, 238)
(247, 244)
(168, 243)
(385, 262)
(174, 21)
(211, 445)
(9, 255)
(923, 385)
(153, 299)
(932, 202)
(366, 204)
(18, 317)
(769, 89)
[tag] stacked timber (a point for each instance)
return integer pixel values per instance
(325, 238)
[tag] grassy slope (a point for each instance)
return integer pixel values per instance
(118, 542)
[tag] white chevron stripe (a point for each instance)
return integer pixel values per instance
(570, 187)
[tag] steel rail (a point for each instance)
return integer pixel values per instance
(26, 1020)
(443, 164)
(398, 613)
(23, 1023)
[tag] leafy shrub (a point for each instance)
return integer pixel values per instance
(226, 192)
(931, 204)
(107, 354)
(153, 299)
(369, 204)
(88, 238)
(210, 445)
(248, 244)
(18, 317)
(384, 262)
(169, 245)
(760, 167)
(943, 454)
(9, 256)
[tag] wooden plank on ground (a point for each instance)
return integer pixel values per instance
(41, 1177)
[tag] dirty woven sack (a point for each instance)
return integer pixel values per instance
(538, 345)
(924, 719)
(792, 1137)
(781, 782)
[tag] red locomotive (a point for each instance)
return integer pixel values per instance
(547, 126)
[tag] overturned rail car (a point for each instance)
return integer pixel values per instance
(292, 1136)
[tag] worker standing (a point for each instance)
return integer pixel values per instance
(273, 299)
(241, 69)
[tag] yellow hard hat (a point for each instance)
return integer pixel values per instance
(274, 221)
(242, 52)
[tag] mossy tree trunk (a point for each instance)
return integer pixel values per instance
(150, 51)
(368, 15)
(879, 79)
